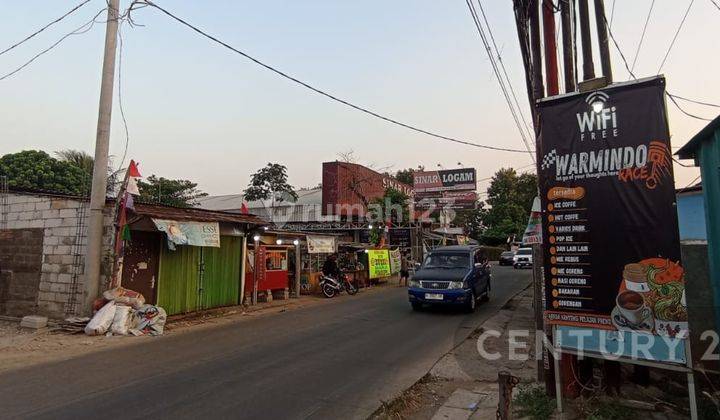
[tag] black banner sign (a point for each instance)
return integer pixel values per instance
(612, 254)
(464, 179)
(400, 237)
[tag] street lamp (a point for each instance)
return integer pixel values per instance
(256, 238)
(370, 226)
(279, 241)
(296, 242)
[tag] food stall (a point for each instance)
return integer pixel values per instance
(271, 264)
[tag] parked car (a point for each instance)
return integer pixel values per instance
(451, 275)
(523, 258)
(506, 258)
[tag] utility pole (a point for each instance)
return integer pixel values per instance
(603, 40)
(551, 65)
(93, 255)
(588, 66)
(568, 40)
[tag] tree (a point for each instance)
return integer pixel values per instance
(393, 205)
(36, 170)
(171, 192)
(406, 176)
(270, 182)
(471, 220)
(84, 161)
(510, 198)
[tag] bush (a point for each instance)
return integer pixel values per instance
(531, 401)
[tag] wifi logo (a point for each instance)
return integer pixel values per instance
(597, 100)
(600, 121)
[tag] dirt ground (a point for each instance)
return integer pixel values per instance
(21, 347)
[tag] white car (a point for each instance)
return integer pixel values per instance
(523, 258)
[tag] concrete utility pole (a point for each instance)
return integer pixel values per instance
(93, 255)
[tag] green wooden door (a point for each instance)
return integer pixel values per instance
(178, 279)
(221, 275)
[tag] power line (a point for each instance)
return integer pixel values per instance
(502, 65)
(84, 28)
(682, 22)
(627, 67)
(317, 90)
(27, 38)
(483, 37)
(612, 13)
(689, 185)
(642, 37)
(695, 101)
(715, 4)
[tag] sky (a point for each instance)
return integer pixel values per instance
(196, 111)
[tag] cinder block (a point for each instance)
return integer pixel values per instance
(51, 240)
(70, 222)
(67, 259)
(58, 203)
(68, 240)
(53, 259)
(42, 205)
(58, 287)
(46, 296)
(29, 207)
(51, 268)
(50, 214)
(34, 322)
(36, 223)
(49, 277)
(62, 249)
(64, 278)
(51, 223)
(13, 216)
(69, 213)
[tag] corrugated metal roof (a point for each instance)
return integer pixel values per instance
(689, 150)
(194, 214)
(233, 202)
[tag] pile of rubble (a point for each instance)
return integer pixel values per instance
(119, 312)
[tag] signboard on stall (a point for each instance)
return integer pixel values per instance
(189, 233)
(379, 263)
(321, 244)
(612, 251)
(400, 237)
(395, 261)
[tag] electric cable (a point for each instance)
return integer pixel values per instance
(642, 36)
(318, 90)
(84, 28)
(682, 22)
(486, 44)
(32, 35)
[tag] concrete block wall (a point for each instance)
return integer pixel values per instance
(58, 217)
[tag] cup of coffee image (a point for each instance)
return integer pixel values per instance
(632, 307)
(635, 277)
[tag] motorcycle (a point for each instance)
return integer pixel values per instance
(331, 287)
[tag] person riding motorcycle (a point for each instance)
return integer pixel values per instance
(330, 268)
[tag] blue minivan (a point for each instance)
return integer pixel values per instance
(451, 275)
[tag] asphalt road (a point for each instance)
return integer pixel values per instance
(337, 360)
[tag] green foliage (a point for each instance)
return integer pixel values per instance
(406, 176)
(510, 198)
(77, 158)
(532, 402)
(36, 170)
(270, 182)
(172, 192)
(393, 205)
(471, 220)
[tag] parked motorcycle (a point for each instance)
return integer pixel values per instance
(331, 287)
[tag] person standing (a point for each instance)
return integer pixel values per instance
(404, 273)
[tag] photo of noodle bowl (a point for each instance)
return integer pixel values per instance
(661, 284)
